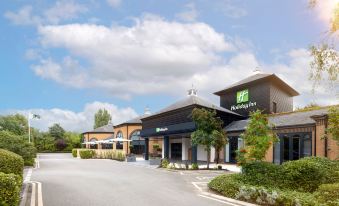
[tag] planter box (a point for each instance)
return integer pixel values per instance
(131, 159)
(155, 161)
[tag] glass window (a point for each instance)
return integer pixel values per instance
(274, 107)
(307, 146)
(119, 135)
(240, 143)
(276, 153)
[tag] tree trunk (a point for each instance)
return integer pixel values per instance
(208, 158)
(218, 156)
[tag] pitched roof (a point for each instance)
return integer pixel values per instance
(136, 120)
(103, 129)
(192, 100)
(257, 77)
(282, 119)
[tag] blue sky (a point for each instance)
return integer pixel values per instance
(65, 59)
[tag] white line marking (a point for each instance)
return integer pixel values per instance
(33, 194)
(211, 198)
(196, 185)
(28, 176)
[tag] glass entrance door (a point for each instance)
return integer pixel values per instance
(291, 148)
(176, 150)
(233, 142)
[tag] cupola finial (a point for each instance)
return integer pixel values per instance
(192, 91)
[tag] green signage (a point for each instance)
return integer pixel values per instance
(242, 96)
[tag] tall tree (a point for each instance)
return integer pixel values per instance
(16, 124)
(333, 123)
(56, 131)
(258, 137)
(101, 118)
(209, 131)
(325, 63)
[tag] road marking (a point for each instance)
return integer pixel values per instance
(28, 176)
(37, 162)
(204, 178)
(33, 195)
(36, 192)
(211, 198)
(197, 183)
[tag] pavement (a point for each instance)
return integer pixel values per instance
(62, 180)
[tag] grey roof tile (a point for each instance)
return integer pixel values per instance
(103, 129)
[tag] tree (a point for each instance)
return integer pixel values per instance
(209, 131)
(333, 123)
(16, 124)
(101, 118)
(258, 137)
(56, 131)
(325, 55)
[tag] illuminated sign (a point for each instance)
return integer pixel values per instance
(243, 101)
(242, 96)
(162, 129)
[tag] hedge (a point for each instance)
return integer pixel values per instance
(328, 193)
(11, 162)
(10, 186)
(227, 185)
(75, 152)
(18, 145)
(86, 154)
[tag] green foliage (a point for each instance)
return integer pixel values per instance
(10, 187)
(18, 145)
(156, 147)
(44, 142)
(333, 123)
(16, 124)
(11, 162)
(164, 163)
(209, 131)
(101, 118)
(74, 152)
(328, 193)
(306, 174)
(194, 166)
(258, 137)
(227, 185)
(109, 154)
(56, 131)
(86, 154)
(262, 173)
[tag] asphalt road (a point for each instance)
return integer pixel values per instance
(71, 181)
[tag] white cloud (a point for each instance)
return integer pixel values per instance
(190, 14)
(64, 10)
(147, 57)
(76, 121)
(23, 16)
(114, 3)
(60, 11)
(230, 8)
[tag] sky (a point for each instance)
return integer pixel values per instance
(66, 59)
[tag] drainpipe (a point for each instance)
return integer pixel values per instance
(326, 140)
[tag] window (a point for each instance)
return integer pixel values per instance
(119, 144)
(307, 147)
(119, 135)
(276, 153)
(274, 107)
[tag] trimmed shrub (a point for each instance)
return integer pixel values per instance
(227, 185)
(86, 154)
(195, 166)
(164, 163)
(74, 152)
(328, 193)
(11, 162)
(10, 186)
(296, 198)
(262, 173)
(304, 175)
(18, 145)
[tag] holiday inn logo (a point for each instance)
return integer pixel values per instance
(242, 96)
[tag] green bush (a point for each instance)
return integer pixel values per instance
(304, 175)
(194, 166)
(164, 163)
(227, 185)
(328, 194)
(262, 174)
(18, 145)
(75, 152)
(10, 186)
(296, 198)
(11, 162)
(86, 154)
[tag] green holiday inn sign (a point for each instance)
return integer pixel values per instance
(243, 101)
(242, 96)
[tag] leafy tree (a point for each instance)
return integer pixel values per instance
(209, 131)
(73, 140)
(333, 123)
(258, 137)
(16, 124)
(44, 142)
(101, 118)
(56, 131)
(325, 55)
